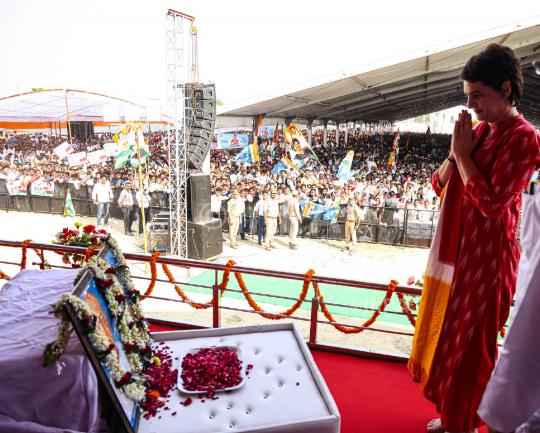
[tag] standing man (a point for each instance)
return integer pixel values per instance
(295, 217)
(235, 208)
(259, 211)
(144, 205)
(215, 203)
(390, 205)
(271, 216)
(126, 202)
(103, 197)
(352, 221)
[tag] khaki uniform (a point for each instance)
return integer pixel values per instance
(352, 214)
(294, 217)
(235, 207)
(271, 212)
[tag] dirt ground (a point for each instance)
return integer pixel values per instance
(370, 262)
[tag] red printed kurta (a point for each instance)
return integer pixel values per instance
(485, 277)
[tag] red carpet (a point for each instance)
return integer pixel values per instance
(372, 396)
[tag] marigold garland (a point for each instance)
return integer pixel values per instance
(88, 252)
(370, 321)
(255, 306)
(406, 309)
(154, 275)
(503, 332)
(24, 247)
(4, 275)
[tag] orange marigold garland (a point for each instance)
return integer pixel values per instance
(4, 275)
(255, 306)
(405, 309)
(503, 332)
(24, 247)
(369, 322)
(88, 253)
(153, 270)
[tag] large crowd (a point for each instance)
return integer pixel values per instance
(408, 181)
(26, 158)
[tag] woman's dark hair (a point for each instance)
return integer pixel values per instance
(493, 66)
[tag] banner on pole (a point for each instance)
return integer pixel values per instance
(77, 159)
(63, 150)
(97, 157)
(232, 141)
(267, 132)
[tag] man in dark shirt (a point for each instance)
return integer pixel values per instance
(390, 205)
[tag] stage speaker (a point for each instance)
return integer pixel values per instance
(201, 120)
(198, 198)
(158, 242)
(204, 240)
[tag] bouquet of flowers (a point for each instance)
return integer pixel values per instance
(89, 236)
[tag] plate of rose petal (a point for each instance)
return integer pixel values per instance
(222, 370)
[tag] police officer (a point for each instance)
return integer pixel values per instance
(295, 217)
(271, 217)
(235, 208)
(352, 221)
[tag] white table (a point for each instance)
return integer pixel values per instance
(270, 402)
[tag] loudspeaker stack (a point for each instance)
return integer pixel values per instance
(201, 120)
(204, 235)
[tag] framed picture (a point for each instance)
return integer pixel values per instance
(124, 416)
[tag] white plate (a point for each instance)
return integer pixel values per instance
(235, 349)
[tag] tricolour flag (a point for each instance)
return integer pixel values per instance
(275, 134)
(344, 170)
(253, 152)
(122, 158)
(258, 129)
(392, 158)
(284, 164)
(307, 210)
(68, 208)
(396, 140)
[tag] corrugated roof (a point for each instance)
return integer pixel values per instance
(401, 87)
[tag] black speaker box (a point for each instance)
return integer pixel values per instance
(158, 242)
(204, 240)
(193, 114)
(201, 91)
(199, 132)
(198, 198)
(204, 124)
(198, 148)
(206, 104)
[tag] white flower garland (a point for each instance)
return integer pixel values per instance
(130, 332)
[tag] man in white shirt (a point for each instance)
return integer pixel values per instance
(259, 211)
(215, 203)
(103, 197)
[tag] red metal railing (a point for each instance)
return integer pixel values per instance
(216, 301)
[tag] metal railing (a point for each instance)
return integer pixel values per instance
(217, 308)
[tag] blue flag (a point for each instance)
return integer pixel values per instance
(243, 156)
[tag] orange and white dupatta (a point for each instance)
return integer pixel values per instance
(438, 280)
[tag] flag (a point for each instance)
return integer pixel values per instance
(258, 129)
(392, 158)
(307, 210)
(253, 152)
(333, 212)
(344, 170)
(243, 156)
(122, 158)
(298, 146)
(284, 164)
(68, 209)
(396, 140)
(428, 132)
(408, 141)
(275, 133)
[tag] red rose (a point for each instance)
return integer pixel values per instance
(125, 378)
(412, 305)
(410, 281)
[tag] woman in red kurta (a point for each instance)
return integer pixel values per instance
(482, 180)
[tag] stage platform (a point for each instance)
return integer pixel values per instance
(372, 396)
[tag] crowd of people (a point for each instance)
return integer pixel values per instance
(28, 158)
(404, 187)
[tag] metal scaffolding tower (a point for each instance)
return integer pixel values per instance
(176, 139)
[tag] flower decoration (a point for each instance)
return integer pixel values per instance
(410, 281)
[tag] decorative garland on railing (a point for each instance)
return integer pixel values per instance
(251, 301)
(370, 321)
